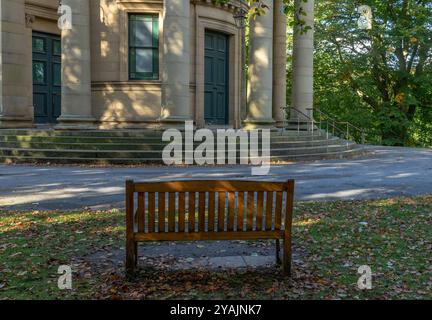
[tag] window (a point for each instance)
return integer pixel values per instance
(57, 74)
(39, 72)
(57, 47)
(143, 47)
(39, 45)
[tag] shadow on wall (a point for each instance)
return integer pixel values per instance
(129, 103)
(114, 101)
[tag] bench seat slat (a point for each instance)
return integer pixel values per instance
(211, 212)
(259, 211)
(278, 213)
(269, 212)
(151, 212)
(250, 210)
(202, 211)
(221, 211)
(141, 212)
(161, 211)
(209, 186)
(171, 212)
(191, 210)
(240, 213)
(203, 236)
(231, 212)
(182, 211)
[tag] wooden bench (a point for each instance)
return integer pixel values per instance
(208, 210)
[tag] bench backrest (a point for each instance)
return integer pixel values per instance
(208, 206)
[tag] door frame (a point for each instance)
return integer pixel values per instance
(234, 67)
(227, 77)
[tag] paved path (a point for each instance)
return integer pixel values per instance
(388, 172)
(199, 255)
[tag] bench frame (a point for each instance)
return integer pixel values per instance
(140, 229)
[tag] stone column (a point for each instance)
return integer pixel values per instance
(76, 69)
(279, 63)
(176, 102)
(244, 78)
(30, 19)
(16, 108)
(303, 64)
(260, 88)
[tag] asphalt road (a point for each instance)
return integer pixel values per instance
(386, 173)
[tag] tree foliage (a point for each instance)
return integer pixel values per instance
(379, 79)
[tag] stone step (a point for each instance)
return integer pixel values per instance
(82, 133)
(144, 146)
(149, 154)
(140, 146)
(117, 133)
(133, 161)
(347, 154)
(130, 140)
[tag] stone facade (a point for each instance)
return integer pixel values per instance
(97, 90)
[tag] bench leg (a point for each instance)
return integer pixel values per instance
(278, 247)
(130, 257)
(287, 257)
(136, 254)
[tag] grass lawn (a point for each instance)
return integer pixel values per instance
(393, 237)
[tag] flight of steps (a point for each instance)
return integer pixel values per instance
(144, 147)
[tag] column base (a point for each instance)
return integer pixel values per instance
(174, 122)
(250, 124)
(10, 122)
(280, 124)
(67, 122)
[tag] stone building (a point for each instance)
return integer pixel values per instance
(147, 64)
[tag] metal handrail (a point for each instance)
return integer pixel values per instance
(332, 125)
(309, 120)
(350, 128)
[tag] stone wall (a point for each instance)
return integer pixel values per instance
(15, 66)
(118, 102)
(113, 100)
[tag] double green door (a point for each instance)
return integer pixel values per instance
(216, 78)
(46, 77)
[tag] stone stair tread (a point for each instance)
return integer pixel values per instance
(307, 157)
(147, 146)
(158, 151)
(152, 143)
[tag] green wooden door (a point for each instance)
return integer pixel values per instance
(216, 78)
(46, 77)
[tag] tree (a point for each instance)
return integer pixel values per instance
(380, 78)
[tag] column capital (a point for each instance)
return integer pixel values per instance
(29, 20)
